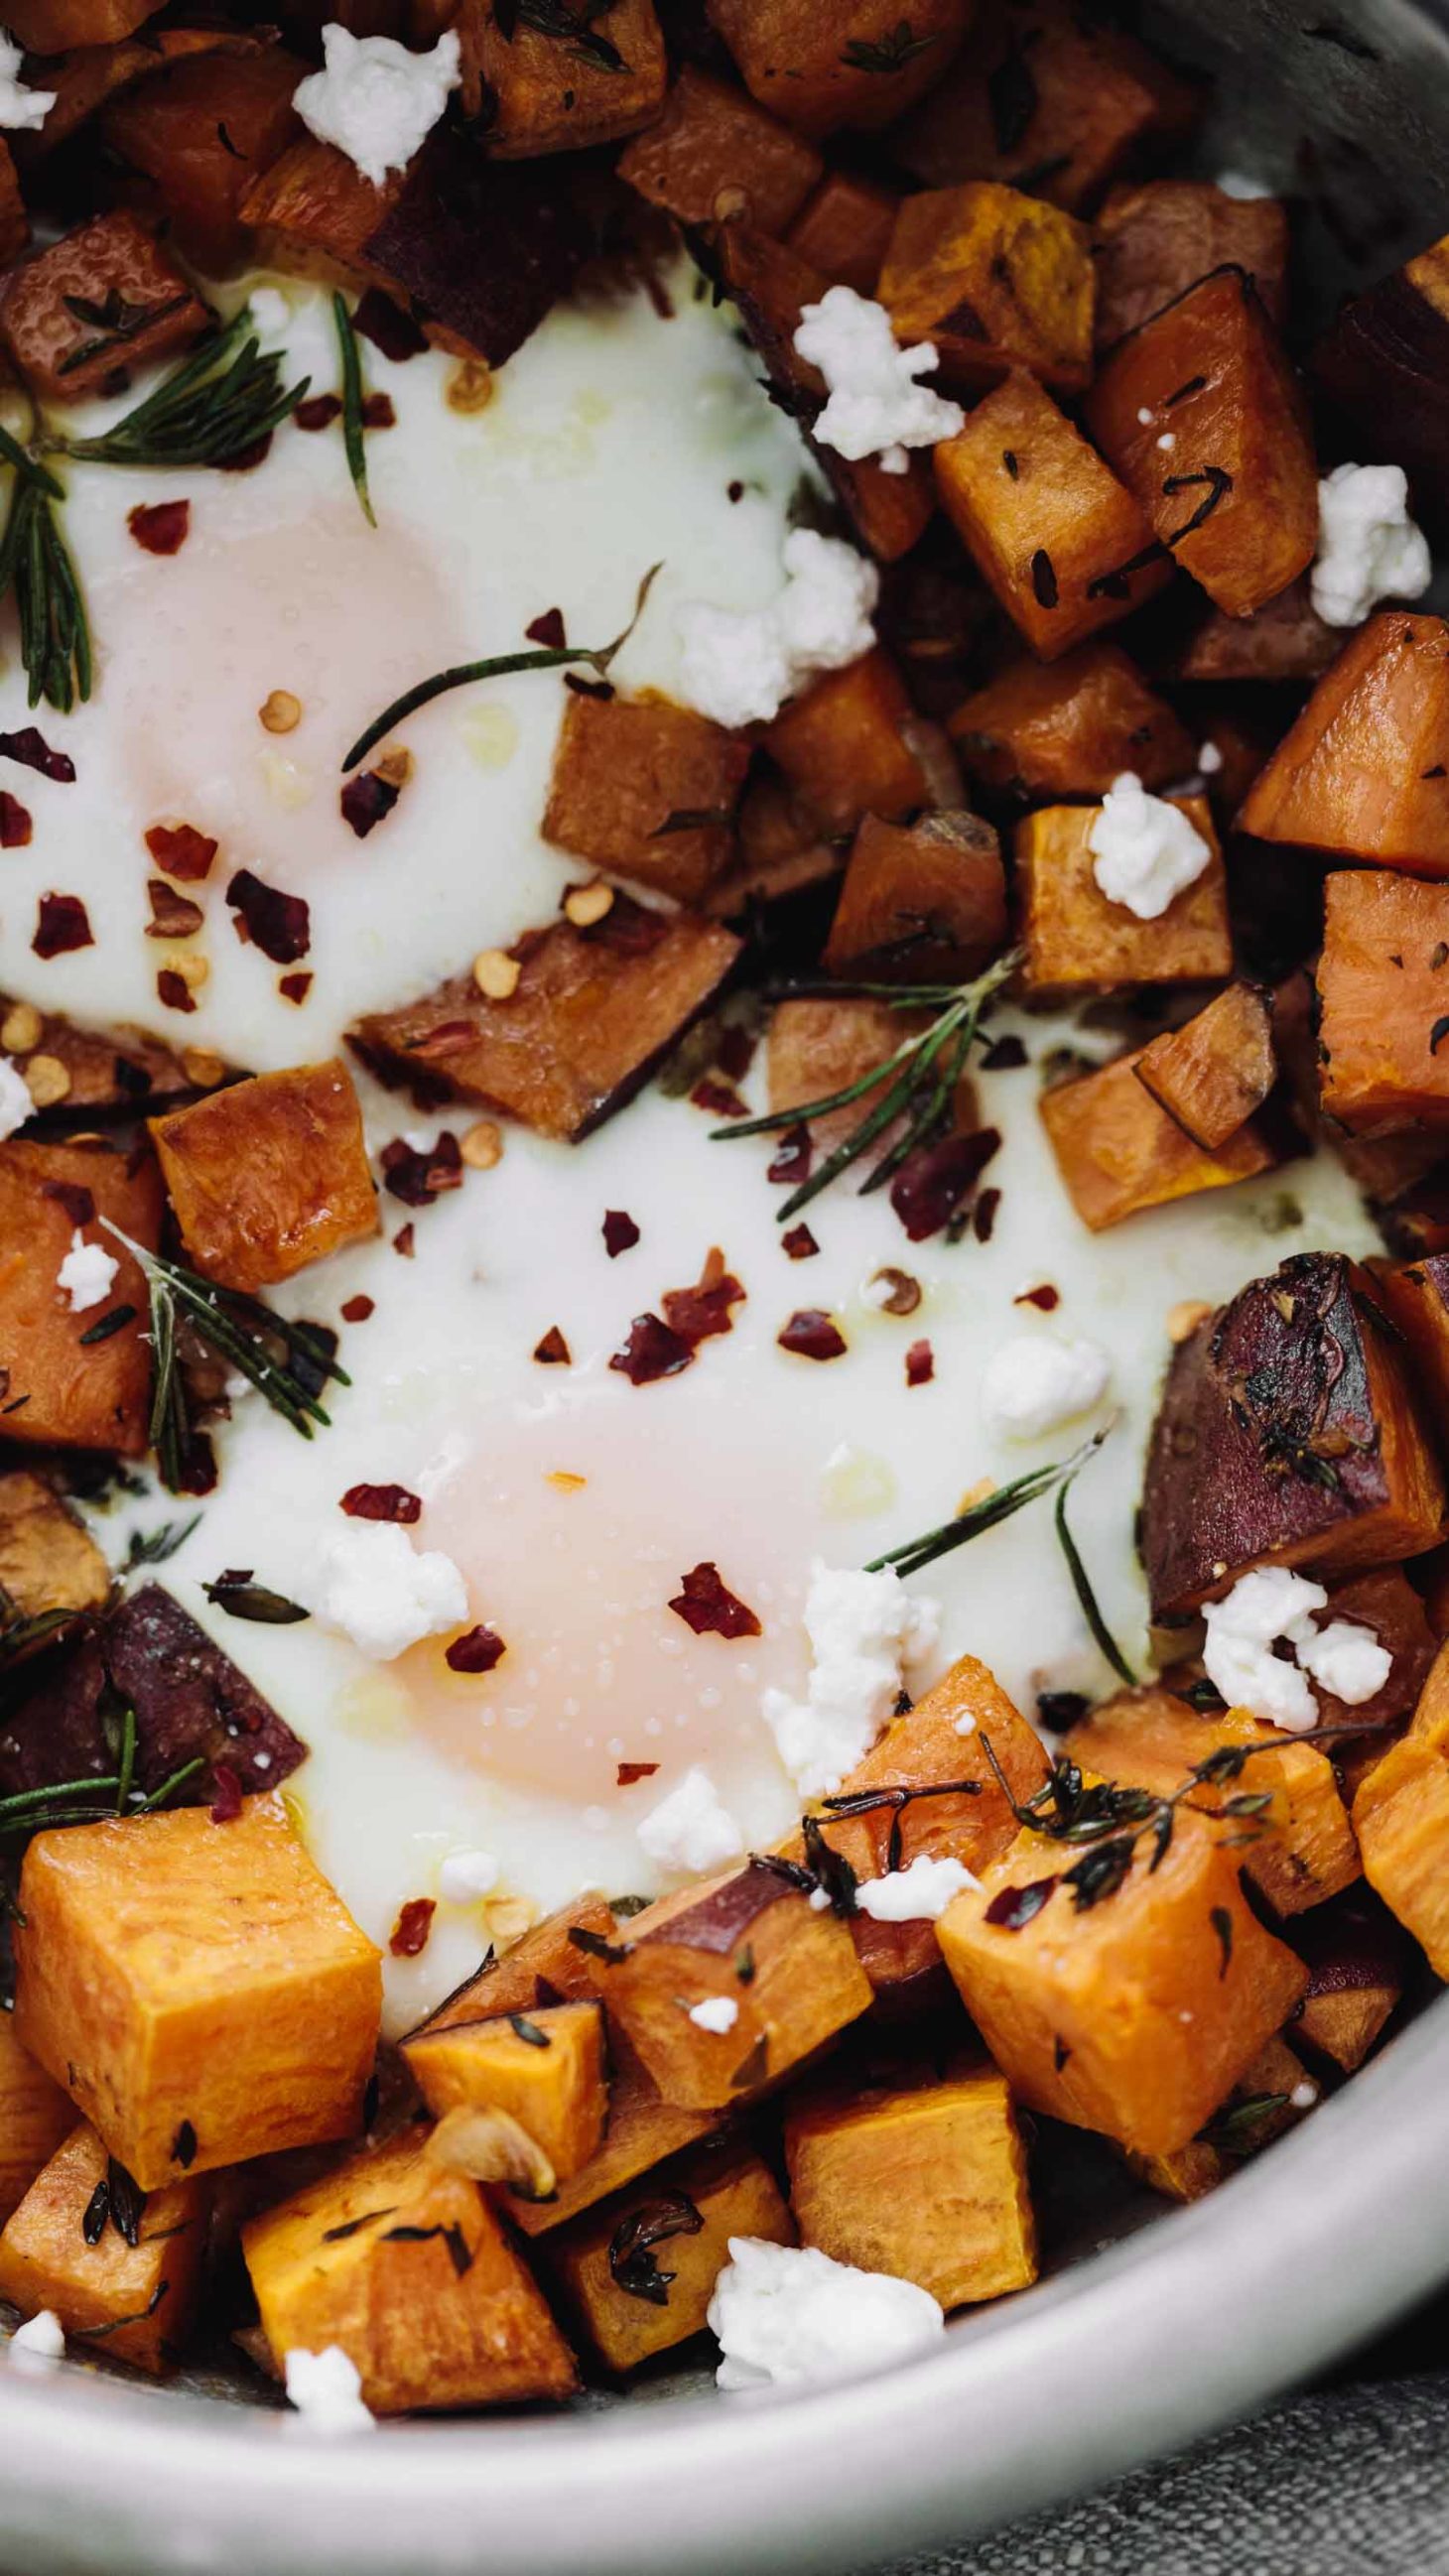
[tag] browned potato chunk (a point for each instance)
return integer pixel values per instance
(1260, 2108)
(781, 852)
(638, 2271)
(60, 1386)
(269, 1175)
(111, 262)
(1416, 1294)
(647, 790)
(1157, 240)
(1401, 1818)
(1386, 360)
(643, 2130)
(543, 2069)
(1362, 774)
(48, 1562)
(192, 139)
(858, 63)
(1286, 639)
(1382, 1021)
(14, 221)
(846, 747)
(713, 141)
(1357, 1965)
(549, 95)
(818, 1047)
(546, 1967)
(1070, 728)
(1118, 1153)
(313, 208)
(103, 1069)
(1079, 941)
(1217, 1069)
(921, 902)
(53, 26)
(128, 2292)
(997, 281)
(845, 230)
(35, 2117)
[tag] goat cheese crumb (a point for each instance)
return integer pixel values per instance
(1037, 1381)
(787, 2313)
(1368, 546)
(16, 1104)
(717, 2013)
(269, 310)
(22, 111)
(1237, 183)
(1145, 852)
(375, 1587)
(738, 666)
(374, 99)
(86, 1273)
(692, 1830)
(876, 405)
(1269, 1606)
(863, 1628)
(919, 1894)
(327, 2388)
(1345, 1660)
(467, 1875)
(1303, 2096)
(1209, 759)
(40, 2339)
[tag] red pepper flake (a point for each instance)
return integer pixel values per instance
(174, 991)
(160, 527)
(793, 1156)
(629, 1772)
(62, 923)
(409, 1936)
(404, 1241)
(30, 748)
(382, 1503)
(15, 824)
(931, 1184)
(76, 1200)
(181, 851)
(549, 631)
(357, 1309)
(651, 1351)
(279, 924)
(698, 1312)
(720, 1098)
(419, 1178)
(812, 1334)
(388, 327)
(736, 1051)
(318, 411)
(983, 1215)
(1012, 1909)
(553, 1351)
(365, 800)
(799, 1243)
(247, 457)
(173, 915)
(1046, 1297)
(226, 1803)
(734, 491)
(295, 988)
(920, 1364)
(378, 413)
(476, 1651)
(706, 1605)
(620, 1232)
(1004, 1055)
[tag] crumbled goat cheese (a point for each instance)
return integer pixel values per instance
(691, 1831)
(1144, 851)
(375, 1587)
(1368, 546)
(876, 406)
(738, 666)
(269, 310)
(862, 1629)
(16, 1104)
(86, 1273)
(374, 99)
(40, 2339)
(1038, 1381)
(919, 1894)
(787, 2313)
(1209, 759)
(467, 1875)
(22, 111)
(1344, 1659)
(326, 2387)
(1267, 1607)
(1236, 183)
(717, 2013)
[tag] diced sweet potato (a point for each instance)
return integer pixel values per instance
(1386, 1601)
(1118, 1153)
(269, 1175)
(818, 1047)
(1416, 1294)
(405, 2267)
(129, 2293)
(313, 209)
(713, 141)
(83, 80)
(926, 2180)
(48, 1561)
(35, 2118)
(1303, 1849)
(53, 26)
(1396, 1173)
(1363, 773)
(1357, 1965)
(198, 1988)
(1260, 2108)
(643, 2130)
(781, 851)
(59, 1386)
(996, 281)
(921, 902)
(1286, 639)
(199, 133)
(846, 747)
(1235, 498)
(858, 63)
(1069, 728)
(1386, 360)
(1156, 240)
(14, 221)
(1401, 1818)
(81, 317)
(105, 1069)
(1288, 1433)
(592, 1014)
(544, 2069)
(1079, 941)
(1136, 2015)
(1382, 1013)
(750, 1938)
(647, 790)
(546, 1967)
(485, 248)
(1062, 543)
(638, 2271)
(1217, 1069)
(845, 230)
(549, 94)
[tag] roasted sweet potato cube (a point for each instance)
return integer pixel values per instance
(315, 211)
(35, 2118)
(637, 2272)
(1069, 728)
(1382, 1016)
(846, 748)
(647, 790)
(714, 142)
(643, 2130)
(69, 318)
(996, 281)
(14, 221)
(1401, 1818)
(592, 1014)
(1416, 1294)
(1217, 1069)
(53, 26)
(1357, 1967)
(105, 1069)
(483, 247)
(845, 230)
(1364, 773)
(199, 133)
(85, 79)
(1156, 240)
(1304, 1850)
(1235, 497)
(1288, 1432)
(1078, 940)
(1260, 2107)
(1284, 640)
(545, 1967)
(129, 2292)
(405, 2267)
(858, 63)
(1136, 2015)
(269, 1175)
(49, 1563)
(780, 851)
(818, 1047)
(1386, 360)
(547, 96)
(1386, 1601)
(59, 1386)
(1062, 543)
(921, 902)
(198, 1988)
(752, 1939)
(1118, 1153)
(926, 2180)
(545, 2069)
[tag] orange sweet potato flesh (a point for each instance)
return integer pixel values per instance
(1401, 1818)
(544, 2069)
(1062, 543)
(1156, 240)
(546, 1967)
(721, 2191)
(130, 2302)
(53, 26)
(711, 140)
(35, 2118)
(58, 1387)
(1381, 990)
(1357, 1963)
(643, 2130)
(780, 851)
(921, 902)
(67, 359)
(1416, 1294)
(84, 79)
(198, 1988)
(169, 130)
(550, 97)
(818, 1047)
(627, 776)
(845, 230)
(1078, 940)
(1228, 2141)
(1118, 1153)
(268, 1175)
(845, 746)
(313, 206)
(995, 280)
(1137, 2016)
(849, 65)
(1364, 773)
(1213, 1073)
(1069, 728)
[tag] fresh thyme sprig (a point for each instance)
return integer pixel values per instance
(915, 1082)
(225, 398)
(498, 667)
(353, 425)
(1111, 1818)
(997, 1506)
(1082, 1585)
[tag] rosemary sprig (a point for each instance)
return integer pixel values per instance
(1091, 1610)
(915, 1553)
(35, 564)
(220, 401)
(353, 427)
(916, 1081)
(23, 1634)
(498, 667)
(89, 1802)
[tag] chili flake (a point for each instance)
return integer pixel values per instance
(553, 1351)
(62, 923)
(799, 1244)
(549, 631)
(705, 1604)
(365, 800)
(620, 1232)
(920, 1364)
(295, 988)
(356, 1310)
(160, 527)
(417, 1178)
(279, 924)
(476, 1651)
(30, 748)
(381, 1503)
(629, 1772)
(409, 1936)
(812, 1335)
(181, 851)
(15, 824)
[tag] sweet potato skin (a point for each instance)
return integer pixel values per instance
(53, 26)
(1361, 775)
(1118, 1153)
(996, 281)
(1357, 1966)
(269, 1175)
(1416, 1295)
(1386, 361)
(544, 1967)
(80, 1396)
(14, 221)
(845, 749)
(625, 770)
(710, 139)
(132, 2302)
(1214, 1072)
(1156, 240)
(550, 97)
(168, 129)
(730, 2191)
(920, 902)
(36, 2118)
(1077, 940)
(1069, 728)
(65, 359)
(806, 64)
(548, 2075)
(107, 1069)
(1285, 639)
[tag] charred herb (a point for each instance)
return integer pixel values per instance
(220, 402)
(889, 53)
(353, 424)
(913, 1554)
(867, 1802)
(114, 320)
(573, 27)
(1082, 1586)
(1235, 2132)
(528, 2031)
(633, 2264)
(1111, 1820)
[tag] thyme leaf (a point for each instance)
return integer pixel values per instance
(890, 53)
(352, 399)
